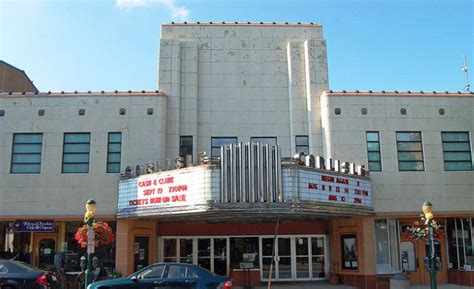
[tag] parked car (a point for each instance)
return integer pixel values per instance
(19, 275)
(169, 276)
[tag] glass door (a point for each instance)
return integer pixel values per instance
(267, 253)
(284, 263)
(302, 257)
(282, 267)
(318, 260)
(220, 256)
(46, 254)
(186, 251)
(204, 253)
(141, 252)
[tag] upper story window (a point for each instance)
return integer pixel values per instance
(456, 151)
(76, 152)
(114, 152)
(302, 144)
(217, 142)
(410, 151)
(264, 140)
(186, 146)
(26, 153)
(373, 151)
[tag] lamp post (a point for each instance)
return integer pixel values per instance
(429, 217)
(89, 221)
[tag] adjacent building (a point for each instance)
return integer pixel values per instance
(336, 176)
(13, 79)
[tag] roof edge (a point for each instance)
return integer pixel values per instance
(236, 23)
(84, 93)
(395, 93)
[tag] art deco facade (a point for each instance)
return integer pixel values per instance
(251, 96)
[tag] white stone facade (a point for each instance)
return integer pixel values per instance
(403, 191)
(53, 193)
(226, 80)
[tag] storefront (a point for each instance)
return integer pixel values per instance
(49, 244)
(298, 257)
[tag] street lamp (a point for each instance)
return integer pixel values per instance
(429, 218)
(91, 206)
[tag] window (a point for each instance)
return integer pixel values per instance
(302, 144)
(264, 140)
(460, 235)
(175, 271)
(186, 146)
(217, 142)
(373, 151)
(169, 250)
(410, 151)
(114, 152)
(155, 272)
(386, 246)
(456, 151)
(76, 152)
(26, 153)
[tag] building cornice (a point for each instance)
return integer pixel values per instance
(115, 93)
(396, 93)
(245, 24)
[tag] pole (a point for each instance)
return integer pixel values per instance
(90, 231)
(88, 270)
(273, 254)
(432, 257)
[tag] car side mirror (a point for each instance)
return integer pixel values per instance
(134, 279)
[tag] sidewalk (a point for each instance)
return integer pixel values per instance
(326, 285)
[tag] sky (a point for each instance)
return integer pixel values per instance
(113, 44)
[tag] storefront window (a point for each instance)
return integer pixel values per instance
(241, 246)
(460, 234)
(186, 251)
(386, 246)
(14, 245)
(169, 250)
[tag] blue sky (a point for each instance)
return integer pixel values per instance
(113, 44)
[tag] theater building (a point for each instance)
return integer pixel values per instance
(251, 96)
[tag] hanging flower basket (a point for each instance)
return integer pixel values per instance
(103, 235)
(419, 231)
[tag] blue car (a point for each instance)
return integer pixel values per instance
(168, 276)
(19, 275)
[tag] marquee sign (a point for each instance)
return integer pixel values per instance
(249, 176)
(172, 189)
(329, 187)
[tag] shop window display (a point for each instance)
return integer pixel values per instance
(14, 245)
(241, 246)
(460, 235)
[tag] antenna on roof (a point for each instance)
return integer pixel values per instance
(465, 70)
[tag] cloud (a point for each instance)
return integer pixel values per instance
(177, 12)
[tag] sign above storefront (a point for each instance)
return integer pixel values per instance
(22, 226)
(251, 178)
(328, 187)
(151, 193)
